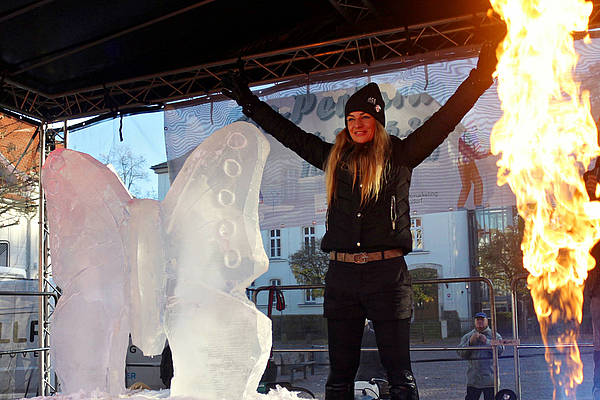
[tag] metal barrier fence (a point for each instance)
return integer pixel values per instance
(515, 328)
(515, 343)
(491, 293)
(516, 339)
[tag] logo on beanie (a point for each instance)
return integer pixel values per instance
(373, 101)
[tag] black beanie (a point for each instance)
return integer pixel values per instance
(368, 99)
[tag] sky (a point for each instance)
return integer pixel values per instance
(143, 133)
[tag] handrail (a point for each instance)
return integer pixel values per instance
(22, 293)
(515, 328)
(255, 291)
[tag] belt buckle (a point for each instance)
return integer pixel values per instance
(360, 258)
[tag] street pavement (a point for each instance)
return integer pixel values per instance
(441, 375)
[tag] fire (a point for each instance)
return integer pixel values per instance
(546, 138)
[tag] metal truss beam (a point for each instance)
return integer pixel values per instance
(49, 140)
(377, 48)
(353, 11)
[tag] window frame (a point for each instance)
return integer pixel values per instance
(309, 296)
(309, 238)
(7, 254)
(274, 243)
(275, 282)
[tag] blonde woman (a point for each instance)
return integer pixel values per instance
(367, 173)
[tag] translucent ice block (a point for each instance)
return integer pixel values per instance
(177, 268)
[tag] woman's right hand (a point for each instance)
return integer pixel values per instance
(488, 60)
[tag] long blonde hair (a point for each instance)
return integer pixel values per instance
(365, 161)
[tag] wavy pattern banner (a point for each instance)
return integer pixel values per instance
(293, 192)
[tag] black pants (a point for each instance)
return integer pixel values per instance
(380, 291)
(344, 348)
(474, 393)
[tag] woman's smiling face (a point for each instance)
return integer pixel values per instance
(361, 126)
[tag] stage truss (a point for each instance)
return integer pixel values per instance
(401, 46)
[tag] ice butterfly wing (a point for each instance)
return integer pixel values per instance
(85, 207)
(98, 231)
(211, 212)
(214, 251)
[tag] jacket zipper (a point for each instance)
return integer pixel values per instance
(393, 212)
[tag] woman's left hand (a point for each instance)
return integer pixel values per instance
(488, 60)
(235, 86)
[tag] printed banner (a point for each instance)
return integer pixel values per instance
(460, 173)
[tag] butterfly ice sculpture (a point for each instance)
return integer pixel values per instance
(177, 268)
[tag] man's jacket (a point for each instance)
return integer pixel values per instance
(480, 373)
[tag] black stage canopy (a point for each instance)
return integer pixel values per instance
(62, 59)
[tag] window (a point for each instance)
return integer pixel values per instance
(275, 282)
(494, 220)
(309, 296)
(4, 254)
(309, 238)
(275, 236)
(416, 229)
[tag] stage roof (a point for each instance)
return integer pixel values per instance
(62, 59)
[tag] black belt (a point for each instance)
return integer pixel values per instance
(362, 258)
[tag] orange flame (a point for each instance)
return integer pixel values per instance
(546, 139)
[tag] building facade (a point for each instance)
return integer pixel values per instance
(443, 247)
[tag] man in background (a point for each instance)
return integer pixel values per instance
(480, 373)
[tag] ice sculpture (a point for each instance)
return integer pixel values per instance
(188, 260)
(86, 205)
(215, 251)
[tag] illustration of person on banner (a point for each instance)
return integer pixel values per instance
(367, 176)
(470, 150)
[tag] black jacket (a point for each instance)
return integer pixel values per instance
(385, 223)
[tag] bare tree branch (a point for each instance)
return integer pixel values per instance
(132, 168)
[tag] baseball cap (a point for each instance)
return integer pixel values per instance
(481, 315)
